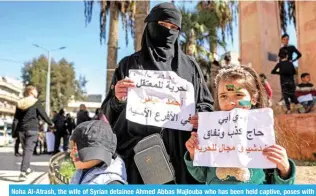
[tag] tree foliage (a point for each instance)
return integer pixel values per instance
(287, 13)
(126, 10)
(207, 27)
(63, 86)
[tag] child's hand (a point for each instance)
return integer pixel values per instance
(194, 120)
(277, 154)
(191, 144)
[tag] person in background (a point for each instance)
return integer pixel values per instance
(94, 155)
(82, 115)
(97, 113)
(39, 142)
(60, 132)
(267, 87)
(290, 49)
(26, 121)
(227, 60)
(287, 72)
(69, 124)
(54, 113)
(247, 93)
(306, 88)
(16, 146)
(100, 116)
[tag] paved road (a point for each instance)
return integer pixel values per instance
(10, 169)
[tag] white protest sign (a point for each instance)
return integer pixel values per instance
(160, 98)
(305, 98)
(235, 138)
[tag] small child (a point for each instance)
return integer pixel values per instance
(93, 153)
(267, 87)
(287, 72)
(247, 89)
(306, 88)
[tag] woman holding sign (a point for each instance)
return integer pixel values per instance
(160, 52)
(240, 87)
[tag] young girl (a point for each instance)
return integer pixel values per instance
(247, 89)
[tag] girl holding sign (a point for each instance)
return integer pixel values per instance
(240, 87)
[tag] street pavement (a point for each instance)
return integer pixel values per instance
(10, 169)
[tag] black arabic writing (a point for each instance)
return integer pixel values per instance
(234, 119)
(237, 131)
(160, 84)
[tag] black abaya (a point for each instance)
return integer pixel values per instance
(156, 55)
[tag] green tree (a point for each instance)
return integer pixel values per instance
(224, 13)
(63, 82)
(124, 9)
(206, 28)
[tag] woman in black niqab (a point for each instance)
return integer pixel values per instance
(160, 51)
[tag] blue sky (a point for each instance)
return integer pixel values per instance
(56, 24)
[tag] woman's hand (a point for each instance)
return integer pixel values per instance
(277, 154)
(194, 120)
(191, 144)
(121, 88)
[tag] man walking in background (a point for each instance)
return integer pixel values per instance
(82, 115)
(26, 122)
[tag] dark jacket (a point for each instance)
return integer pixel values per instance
(59, 121)
(70, 125)
(82, 116)
(291, 50)
(27, 115)
(286, 71)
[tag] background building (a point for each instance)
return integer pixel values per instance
(93, 102)
(10, 92)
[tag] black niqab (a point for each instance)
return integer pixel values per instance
(160, 48)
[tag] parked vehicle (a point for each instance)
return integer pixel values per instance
(4, 140)
(9, 132)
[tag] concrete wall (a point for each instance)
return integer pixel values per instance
(297, 134)
(259, 31)
(306, 30)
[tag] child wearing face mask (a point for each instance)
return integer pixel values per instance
(93, 153)
(240, 87)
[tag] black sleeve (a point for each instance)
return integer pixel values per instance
(204, 99)
(41, 112)
(111, 106)
(277, 66)
(299, 55)
(15, 123)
